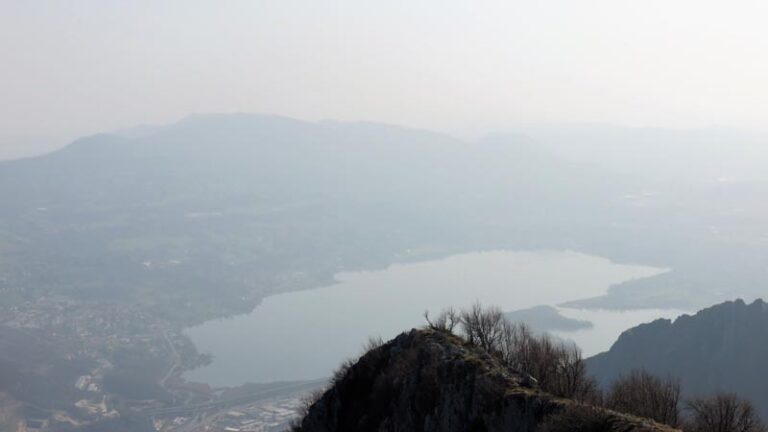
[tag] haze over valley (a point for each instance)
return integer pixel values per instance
(220, 215)
(236, 216)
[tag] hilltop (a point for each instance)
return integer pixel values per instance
(426, 380)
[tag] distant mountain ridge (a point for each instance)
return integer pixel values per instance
(721, 348)
(255, 204)
(112, 215)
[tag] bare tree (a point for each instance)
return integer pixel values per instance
(724, 412)
(558, 367)
(483, 326)
(570, 378)
(515, 345)
(646, 395)
(446, 321)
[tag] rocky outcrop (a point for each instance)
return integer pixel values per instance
(426, 380)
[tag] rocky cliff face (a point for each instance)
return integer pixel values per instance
(432, 381)
(721, 348)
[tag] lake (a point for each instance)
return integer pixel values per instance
(306, 334)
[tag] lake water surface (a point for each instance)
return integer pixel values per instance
(306, 334)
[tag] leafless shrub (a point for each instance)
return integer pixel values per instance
(723, 412)
(557, 366)
(579, 418)
(308, 400)
(446, 321)
(646, 395)
(305, 403)
(568, 373)
(341, 371)
(372, 343)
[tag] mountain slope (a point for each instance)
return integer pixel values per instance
(253, 205)
(722, 348)
(431, 381)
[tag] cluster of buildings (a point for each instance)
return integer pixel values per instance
(87, 333)
(264, 416)
(88, 329)
(97, 331)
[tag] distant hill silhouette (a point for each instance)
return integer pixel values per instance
(546, 318)
(722, 348)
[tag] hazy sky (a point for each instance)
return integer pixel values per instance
(76, 67)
